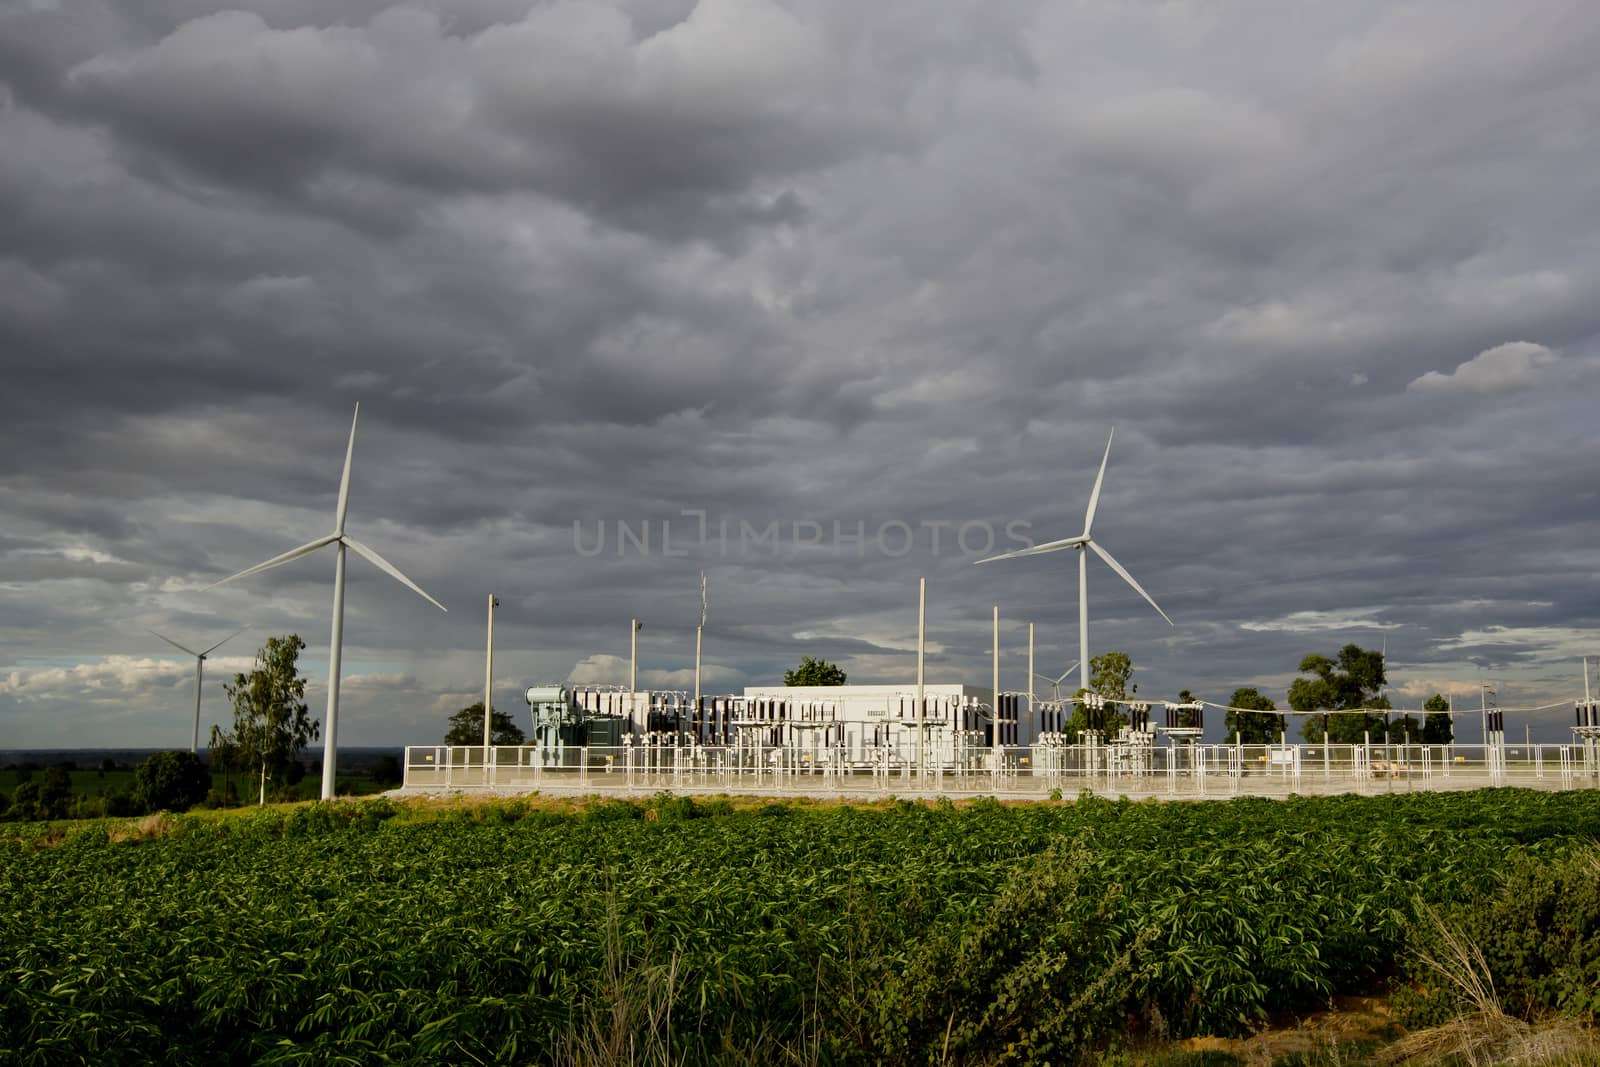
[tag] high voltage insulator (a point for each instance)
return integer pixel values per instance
(1139, 716)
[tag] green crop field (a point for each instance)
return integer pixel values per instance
(691, 931)
(84, 783)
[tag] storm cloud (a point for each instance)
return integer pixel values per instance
(836, 270)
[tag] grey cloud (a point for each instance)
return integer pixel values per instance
(834, 262)
(685, 132)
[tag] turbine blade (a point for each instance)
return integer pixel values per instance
(1048, 546)
(391, 570)
(1064, 673)
(173, 643)
(1120, 569)
(278, 561)
(224, 641)
(1094, 497)
(344, 481)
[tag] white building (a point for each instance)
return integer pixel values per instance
(861, 721)
(861, 725)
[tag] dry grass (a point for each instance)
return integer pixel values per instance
(1485, 1034)
(1482, 1038)
(158, 825)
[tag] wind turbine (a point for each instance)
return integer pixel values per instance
(342, 541)
(1055, 683)
(1082, 543)
(199, 665)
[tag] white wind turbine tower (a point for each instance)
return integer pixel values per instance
(1082, 543)
(1055, 683)
(199, 669)
(341, 541)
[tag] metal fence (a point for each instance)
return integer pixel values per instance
(1155, 770)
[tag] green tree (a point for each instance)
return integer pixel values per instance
(466, 727)
(171, 781)
(1110, 675)
(1350, 683)
(1245, 726)
(271, 726)
(45, 796)
(24, 806)
(1438, 727)
(814, 672)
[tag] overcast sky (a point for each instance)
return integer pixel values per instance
(1330, 270)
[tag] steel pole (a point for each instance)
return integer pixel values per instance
(995, 689)
(488, 683)
(922, 642)
(1030, 680)
(633, 671)
(1083, 617)
(1483, 714)
(199, 662)
(330, 727)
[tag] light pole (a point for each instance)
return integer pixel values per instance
(698, 633)
(633, 672)
(922, 715)
(1032, 726)
(488, 680)
(1484, 693)
(995, 689)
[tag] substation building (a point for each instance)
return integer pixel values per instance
(858, 726)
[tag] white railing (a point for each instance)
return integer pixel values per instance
(1158, 769)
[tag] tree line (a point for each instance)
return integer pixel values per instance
(1350, 683)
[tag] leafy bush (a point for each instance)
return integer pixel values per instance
(1040, 973)
(110, 804)
(613, 811)
(171, 781)
(1539, 938)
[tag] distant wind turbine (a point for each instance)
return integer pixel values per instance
(1055, 683)
(335, 645)
(1081, 542)
(199, 666)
